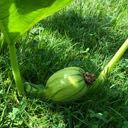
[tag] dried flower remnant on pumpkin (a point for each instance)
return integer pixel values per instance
(89, 78)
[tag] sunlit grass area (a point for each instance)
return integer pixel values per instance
(86, 34)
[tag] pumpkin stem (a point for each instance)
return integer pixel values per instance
(108, 68)
(34, 90)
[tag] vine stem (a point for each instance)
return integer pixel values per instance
(15, 68)
(107, 69)
(14, 62)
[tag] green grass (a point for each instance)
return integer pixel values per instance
(85, 34)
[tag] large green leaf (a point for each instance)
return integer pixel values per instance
(18, 16)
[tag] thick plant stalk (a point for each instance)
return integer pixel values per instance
(107, 69)
(15, 68)
(14, 62)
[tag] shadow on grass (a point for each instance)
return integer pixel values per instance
(41, 63)
(90, 31)
(94, 32)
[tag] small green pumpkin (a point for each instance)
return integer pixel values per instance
(67, 84)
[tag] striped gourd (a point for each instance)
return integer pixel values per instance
(66, 85)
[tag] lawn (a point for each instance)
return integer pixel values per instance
(87, 33)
